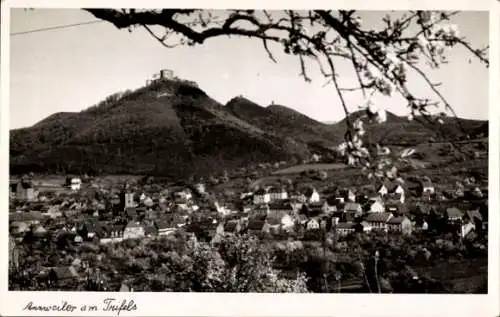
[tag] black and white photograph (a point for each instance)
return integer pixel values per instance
(248, 151)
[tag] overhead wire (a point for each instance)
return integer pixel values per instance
(56, 27)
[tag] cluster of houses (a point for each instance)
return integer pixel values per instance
(131, 214)
(134, 213)
(24, 189)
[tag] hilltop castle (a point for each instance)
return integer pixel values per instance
(165, 75)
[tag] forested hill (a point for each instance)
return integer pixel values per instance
(173, 128)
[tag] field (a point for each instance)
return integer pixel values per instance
(306, 167)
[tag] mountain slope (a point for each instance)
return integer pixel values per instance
(284, 121)
(399, 131)
(169, 128)
(173, 128)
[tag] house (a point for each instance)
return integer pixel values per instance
(75, 184)
(312, 224)
(257, 225)
(280, 219)
(200, 188)
(476, 193)
(127, 200)
(325, 223)
(112, 234)
(184, 195)
(419, 222)
(363, 197)
(133, 230)
(349, 195)
(277, 194)
(30, 218)
(350, 216)
(90, 229)
(77, 263)
(342, 246)
(426, 196)
(339, 200)
(261, 196)
(345, 228)
(78, 239)
(246, 207)
(312, 195)
(459, 191)
(337, 217)
(19, 228)
(179, 220)
(329, 208)
(475, 217)
(280, 207)
(224, 210)
(39, 231)
(164, 228)
(150, 231)
(22, 190)
(396, 197)
(376, 206)
(203, 227)
(63, 274)
(466, 229)
(274, 224)
(247, 195)
(298, 197)
(400, 224)
(354, 208)
(392, 187)
(232, 227)
(131, 213)
(301, 219)
(53, 212)
(13, 188)
(124, 288)
(378, 220)
(421, 209)
(383, 188)
(261, 210)
(454, 215)
(427, 187)
(216, 231)
(393, 206)
(365, 226)
(148, 202)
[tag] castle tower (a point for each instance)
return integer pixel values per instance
(127, 197)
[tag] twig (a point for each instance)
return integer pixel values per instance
(157, 38)
(264, 41)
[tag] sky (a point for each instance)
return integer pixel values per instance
(71, 69)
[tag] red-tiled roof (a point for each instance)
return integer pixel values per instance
(280, 206)
(378, 217)
(65, 272)
(256, 224)
(454, 212)
(346, 225)
(474, 214)
(396, 220)
(352, 207)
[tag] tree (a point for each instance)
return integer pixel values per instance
(381, 59)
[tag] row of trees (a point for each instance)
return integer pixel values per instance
(182, 263)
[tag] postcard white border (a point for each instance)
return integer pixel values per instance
(211, 304)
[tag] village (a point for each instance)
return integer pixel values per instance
(83, 211)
